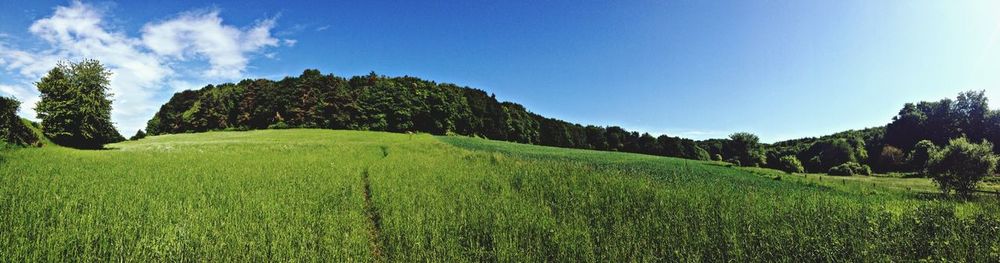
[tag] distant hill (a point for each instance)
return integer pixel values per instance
(396, 104)
(409, 104)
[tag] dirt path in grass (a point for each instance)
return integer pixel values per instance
(374, 219)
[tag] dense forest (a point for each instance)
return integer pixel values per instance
(395, 104)
(902, 145)
(409, 104)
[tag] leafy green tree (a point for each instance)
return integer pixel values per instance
(746, 148)
(921, 155)
(75, 107)
(827, 153)
(907, 127)
(993, 129)
(616, 138)
(960, 166)
(138, 135)
(12, 129)
(790, 164)
(596, 137)
(970, 112)
(838, 152)
(942, 122)
(647, 144)
(890, 159)
(714, 147)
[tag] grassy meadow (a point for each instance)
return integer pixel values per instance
(322, 195)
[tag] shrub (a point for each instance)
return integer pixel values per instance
(865, 170)
(842, 170)
(790, 164)
(849, 169)
(717, 157)
(960, 165)
(279, 125)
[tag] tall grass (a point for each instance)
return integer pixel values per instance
(317, 195)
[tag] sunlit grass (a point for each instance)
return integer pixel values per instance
(299, 195)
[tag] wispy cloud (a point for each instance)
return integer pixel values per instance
(143, 67)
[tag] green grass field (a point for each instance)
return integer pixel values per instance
(321, 195)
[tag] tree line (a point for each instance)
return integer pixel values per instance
(395, 104)
(409, 104)
(951, 141)
(948, 140)
(903, 144)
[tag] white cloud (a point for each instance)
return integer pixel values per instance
(142, 68)
(202, 35)
(289, 42)
(27, 95)
(27, 64)
(77, 31)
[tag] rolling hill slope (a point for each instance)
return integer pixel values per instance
(324, 195)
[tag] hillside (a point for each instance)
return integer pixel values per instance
(395, 104)
(410, 104)
(325, 195)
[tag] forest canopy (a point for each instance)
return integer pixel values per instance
(395, 104)
(409, 104)
(905, 144)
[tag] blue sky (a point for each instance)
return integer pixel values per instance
(697, 69)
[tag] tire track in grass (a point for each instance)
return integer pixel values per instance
(374, 218)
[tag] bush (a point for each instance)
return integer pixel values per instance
(865, 170)
(790, 164)
(279, 125)
(842, 170)
(849, 169)
(717, 157)
(960, 166)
